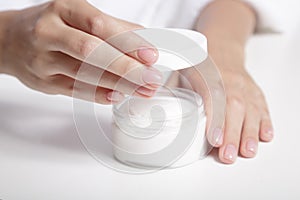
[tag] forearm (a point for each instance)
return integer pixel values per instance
(227, 24)
(4, 21)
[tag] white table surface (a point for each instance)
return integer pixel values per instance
(41, 156)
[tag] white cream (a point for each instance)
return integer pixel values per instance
(148, 126)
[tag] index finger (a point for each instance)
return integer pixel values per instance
(206, 80)
(92, 21)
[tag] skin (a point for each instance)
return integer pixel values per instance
(50, 42)
(228, 24)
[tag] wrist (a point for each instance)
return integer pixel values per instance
(227, 26)
(228, 54)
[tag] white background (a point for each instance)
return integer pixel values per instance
(41, 156)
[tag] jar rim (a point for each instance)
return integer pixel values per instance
(180, 93)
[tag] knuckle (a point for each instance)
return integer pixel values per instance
(57, 5)
(237, 103)
(96, 24)
(40, 29)
(84, 47)
(42, 32)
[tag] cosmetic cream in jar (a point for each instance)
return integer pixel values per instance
(167, 130)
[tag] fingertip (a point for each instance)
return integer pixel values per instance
(215, 138)
(267, 135)
(148, 55)
(114, 97)
(152, 76)
(228, 154)
(249, 148)
(266, 130)
(144, 92)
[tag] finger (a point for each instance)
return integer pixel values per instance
(173, 80)
(87, 73)
(76, 43)
(64, 85)
(266, 129)
(96, 52)
(250, 133)
(209, 85)
(91, 20)
(232, 133)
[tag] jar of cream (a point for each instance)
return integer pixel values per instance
(167, 130)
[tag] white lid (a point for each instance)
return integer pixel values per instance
(178, 48)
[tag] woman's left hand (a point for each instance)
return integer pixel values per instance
(247, 118)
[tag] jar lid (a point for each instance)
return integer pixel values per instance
(178, 48)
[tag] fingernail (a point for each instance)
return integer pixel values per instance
(269, 133)
(230, 153)
(251, 146)
(145, 91)
(218, 136)
(148, 55)
(152, 76)
(115, 96)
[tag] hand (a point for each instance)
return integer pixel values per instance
(227, 26)
(247, 117)
(44, 47)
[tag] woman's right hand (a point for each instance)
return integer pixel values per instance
(44, 46)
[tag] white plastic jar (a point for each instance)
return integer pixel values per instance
(167, 130)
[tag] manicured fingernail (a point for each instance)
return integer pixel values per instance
(148, 55)
(145, 91)
(269, 133)
(218, 136)
(251, 146)
(152, 76)
(230, 153)
(115, 96)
